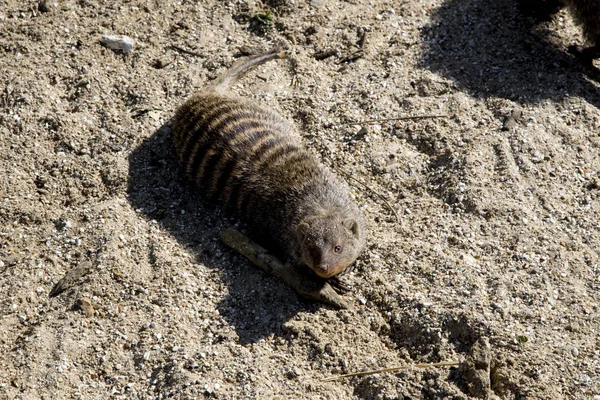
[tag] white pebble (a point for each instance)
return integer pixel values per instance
(118, 43)
(575, 351)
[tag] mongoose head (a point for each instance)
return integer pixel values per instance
(329, 244)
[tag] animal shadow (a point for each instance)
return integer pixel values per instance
(256, 304)
(489, 48)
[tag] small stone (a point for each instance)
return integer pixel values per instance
(63, 224)
(118, 43)
(86, 306)
(43, 6)
(575, 351)
(363, 131)
(537, 157)
(161, 63)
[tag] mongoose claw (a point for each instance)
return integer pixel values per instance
(339, 285)
(325, 294)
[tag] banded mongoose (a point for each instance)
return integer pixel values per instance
(251, 162)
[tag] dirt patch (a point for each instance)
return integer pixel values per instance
(497, 240)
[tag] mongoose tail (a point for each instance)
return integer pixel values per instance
(240, 68)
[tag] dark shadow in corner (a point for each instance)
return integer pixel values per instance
(257, 304)
(490, 49)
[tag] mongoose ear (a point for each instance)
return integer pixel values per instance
(302, 230)
(352, 225)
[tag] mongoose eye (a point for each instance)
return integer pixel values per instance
(337, 249)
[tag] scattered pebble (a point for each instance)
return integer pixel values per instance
(63, 224)
(43, 6)
(86, 306)
(123, 44)
(575, 351)
(363, 131)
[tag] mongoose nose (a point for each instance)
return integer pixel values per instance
(322, 267)
(322, 270)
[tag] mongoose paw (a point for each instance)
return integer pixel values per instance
(339, 285)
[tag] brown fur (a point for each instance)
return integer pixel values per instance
(250, 161)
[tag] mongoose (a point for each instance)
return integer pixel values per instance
(585, 13)
(251, 162)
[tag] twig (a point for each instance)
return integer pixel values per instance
(392, 369)
(389, 206)
(138, 112)
(307, 288)
(355, 55)
(410, 117)
(322, 55)
(363, 39)
(186, 51)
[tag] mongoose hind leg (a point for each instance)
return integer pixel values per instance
(305, 285)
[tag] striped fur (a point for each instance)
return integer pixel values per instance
(251, 162)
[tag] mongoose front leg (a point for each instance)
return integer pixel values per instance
(586, 56)
(339, 285)
(305, 286)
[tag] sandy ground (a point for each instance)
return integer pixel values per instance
(495, 243)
